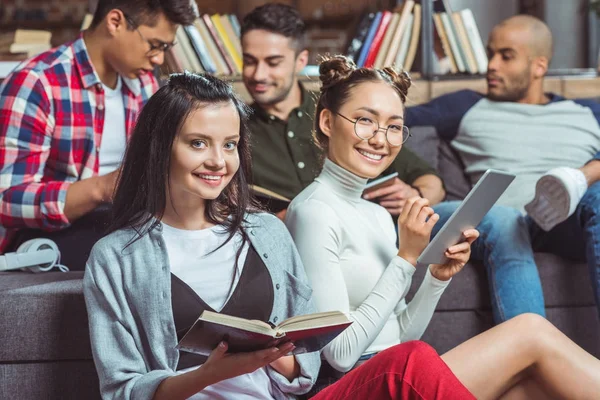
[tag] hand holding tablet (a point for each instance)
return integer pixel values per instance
(467, 216)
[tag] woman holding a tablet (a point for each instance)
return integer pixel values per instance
(348, 248)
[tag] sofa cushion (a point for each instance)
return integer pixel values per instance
(425, 142)
(564, 284)
(43, 317)
(64, 380)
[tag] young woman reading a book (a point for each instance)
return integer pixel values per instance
(348, 247)
(186, 239)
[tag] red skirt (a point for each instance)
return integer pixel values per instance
(408, 371)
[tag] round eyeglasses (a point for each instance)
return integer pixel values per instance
(366, 128)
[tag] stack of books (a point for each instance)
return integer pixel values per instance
(391, 38)
(212, 44)
(387, 38)
(458, 46)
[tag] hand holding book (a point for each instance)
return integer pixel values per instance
(307, 333)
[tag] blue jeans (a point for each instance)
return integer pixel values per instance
(506, 244)
(504, 247)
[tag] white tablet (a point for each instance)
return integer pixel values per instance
(467, 216)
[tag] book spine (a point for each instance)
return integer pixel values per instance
(357, 43)
(475, 39)
(458, 56)
(443, 38)
(200, 48)
(216, 56)
(369, 40)
(400, 30)
(229, 47)
(399, 62)
(465, 43)
(414, 38)
(236, 25)
(213, 32)
(378, 39)
(387, 40)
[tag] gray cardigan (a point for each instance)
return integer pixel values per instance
(128, 299)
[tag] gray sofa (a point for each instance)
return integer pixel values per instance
(464, 309)
(45, 351)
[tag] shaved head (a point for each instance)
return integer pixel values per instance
(519, 51)
(539, 37)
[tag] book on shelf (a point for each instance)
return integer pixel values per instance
(442, 49)
(213, 51)
(386, 17)
(455, 47)
(414, 38)
(404, 43)
(362, 57)
(219, 43)
(387, 40)
(465, 44)
(27, 42)
(272, 201)
(474, 37)
(235, 23)
(228, 43)
(308, 332)
(190, 59)
(392, 38)
(200, 49)
(357, 41)
(464, 38)
(87, 21)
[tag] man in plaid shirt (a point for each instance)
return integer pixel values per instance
(66, 114)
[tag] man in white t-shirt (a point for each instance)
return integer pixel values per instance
(65, 116)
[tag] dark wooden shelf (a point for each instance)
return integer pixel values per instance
(559, 72)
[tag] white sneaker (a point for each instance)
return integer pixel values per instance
(557, 194)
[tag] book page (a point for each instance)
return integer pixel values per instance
(235, 322)
(309, 321)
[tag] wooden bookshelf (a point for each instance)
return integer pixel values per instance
(423, 90)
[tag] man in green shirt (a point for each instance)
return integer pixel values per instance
(284, 158)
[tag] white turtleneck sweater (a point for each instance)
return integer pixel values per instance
(348, 248)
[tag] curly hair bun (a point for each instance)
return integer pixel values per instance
(334, 69)
(401, 80)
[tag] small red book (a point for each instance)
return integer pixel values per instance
(378, 38)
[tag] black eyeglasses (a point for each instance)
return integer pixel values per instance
(155, 49)
(366, 128)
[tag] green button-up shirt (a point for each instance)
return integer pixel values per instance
(285, 159)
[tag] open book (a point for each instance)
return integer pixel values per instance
(308, 332)
(274, 202)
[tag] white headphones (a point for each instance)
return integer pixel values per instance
(35, 255)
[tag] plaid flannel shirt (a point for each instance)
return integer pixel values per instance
(51, 122)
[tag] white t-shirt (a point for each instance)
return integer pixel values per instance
(348, 248)
(210, 274)
(114, 139)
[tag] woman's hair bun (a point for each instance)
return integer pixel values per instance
(335, 69)
(401, 80)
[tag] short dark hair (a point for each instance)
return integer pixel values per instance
(141, 191)
(145, 12)
(277, 18)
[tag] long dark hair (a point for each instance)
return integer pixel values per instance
(141, 192)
